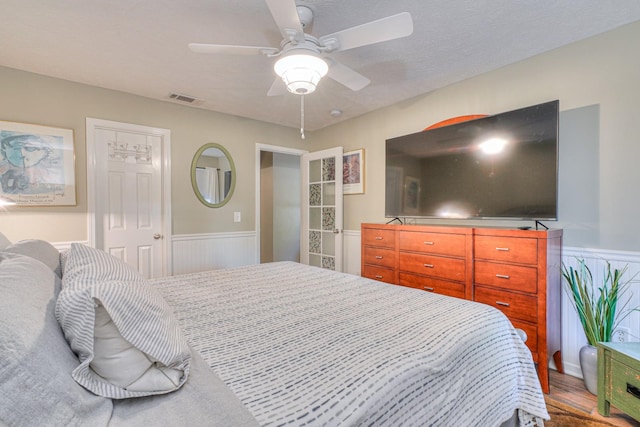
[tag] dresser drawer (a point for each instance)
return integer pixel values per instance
(433, 243)
(532, 336)
(506, 276)
(515, 306)
(379, 256)
(434, 266)
(507, 249)
(431, 284)
(379, 273)
(379, 237)
(625, 388)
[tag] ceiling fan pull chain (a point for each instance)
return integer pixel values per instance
(302, 116)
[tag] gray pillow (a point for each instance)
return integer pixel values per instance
(124, 333)
(4, 242)
(36, 387)
(41, 250)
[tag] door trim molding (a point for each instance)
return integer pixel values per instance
(92, 125)
(273, 149)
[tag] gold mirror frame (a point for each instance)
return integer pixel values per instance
(194, 182)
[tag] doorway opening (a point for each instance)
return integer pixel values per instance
(278, 208)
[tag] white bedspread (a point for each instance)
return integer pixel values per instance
(304, 346)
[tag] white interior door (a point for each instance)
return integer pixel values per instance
(129, 198)
(321, 231)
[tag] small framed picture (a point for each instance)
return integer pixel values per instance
(37, 165)
(353, 172)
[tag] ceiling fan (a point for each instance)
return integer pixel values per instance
(303, 58)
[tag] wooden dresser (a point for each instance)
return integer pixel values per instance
(435, 261)
(379, 258)
(515, 271)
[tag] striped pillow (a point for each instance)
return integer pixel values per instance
(124, 333)
(89, 266)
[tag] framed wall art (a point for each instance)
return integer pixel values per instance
(37, 165)
(353, 172)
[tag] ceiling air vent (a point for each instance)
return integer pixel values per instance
(186, 99)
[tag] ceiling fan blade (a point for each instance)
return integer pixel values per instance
(277, 88)
(231, 49)
(389, 28)
(285, 14)
(346, 76)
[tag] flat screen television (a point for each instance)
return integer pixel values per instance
(503, 166)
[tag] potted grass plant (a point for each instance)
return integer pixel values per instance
(600, 309)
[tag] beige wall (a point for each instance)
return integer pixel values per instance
(599, 203)
(599, 206)
(32, 98)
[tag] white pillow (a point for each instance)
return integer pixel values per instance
(127, 339)
(123, 364)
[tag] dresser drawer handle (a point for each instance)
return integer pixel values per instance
(379, 276)
(427, 288)
(504, 304)
(502, 249)
(378, 256)
(429, 265)
(378, 237)
(428, 243)
(502, 276)
(633, 390)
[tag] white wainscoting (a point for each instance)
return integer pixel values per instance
(351, 252)
(199, 252)
(63, 246)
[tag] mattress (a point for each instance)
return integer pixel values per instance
(305, 346)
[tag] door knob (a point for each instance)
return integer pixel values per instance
(157, 236)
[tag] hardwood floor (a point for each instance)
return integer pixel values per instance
(571, 391)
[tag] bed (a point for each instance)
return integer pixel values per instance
(279, 344)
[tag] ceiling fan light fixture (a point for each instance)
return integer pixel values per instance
(301, 72)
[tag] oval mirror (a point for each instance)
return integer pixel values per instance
(213, 175)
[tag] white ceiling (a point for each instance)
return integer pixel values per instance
(140, 47)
